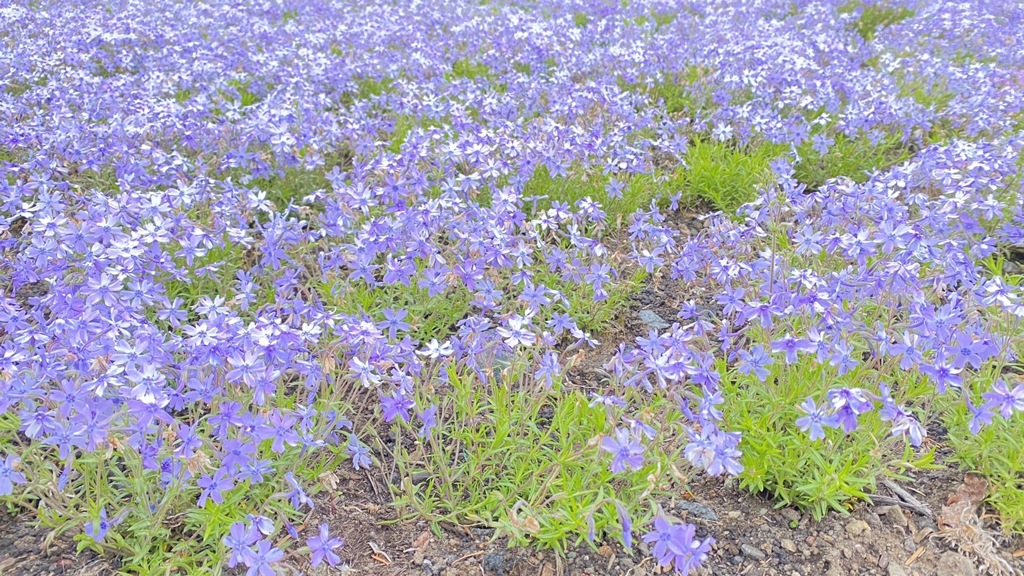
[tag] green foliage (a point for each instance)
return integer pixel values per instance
(431, 317)
(875, 16)
(664, 18)
(19, 87)
(182, 96)
(780, 459)
(159, 529)
(640, 190)
(222, 264)
(726, 176)
(580, 19)
(465, 68)
(996, 452)
(367, 88)
(292, 185)
(523, 68)
(243, 93)
(935, 96)
(402, 126)
(594, 317)
(7, 155)
(679, 92)
(512, 455)
(102, 180)
(854, 158)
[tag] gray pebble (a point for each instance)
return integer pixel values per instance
(697, 509)
(751, 552)
(651, 318)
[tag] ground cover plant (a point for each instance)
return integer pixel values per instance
(245, 244)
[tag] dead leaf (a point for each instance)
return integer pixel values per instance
(329, 480)
(421, 541)
(531, 525)
(962, 504)
(962, 528)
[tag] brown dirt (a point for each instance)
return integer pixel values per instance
(23, 552)
(752, 538)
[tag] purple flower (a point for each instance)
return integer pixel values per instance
(213, 486)
(548, 369)
(394, 320)
(815, 419)
(943, 373)
(847, 404)
(664, 545)
(434, 349)
(674, 545)
(261, 560)
(909, 348)
(238, 541)
(297, 495)
(1003, 399)
(262, 523)
(755, 362)
(97, 529)
(322, 547)
(359, 453)
(429, 419)
(396, 406)
(714, 451)
(9, 474)
(627, 525)
(981, 416)
(517, 332)
(626, 450)
(789, 346)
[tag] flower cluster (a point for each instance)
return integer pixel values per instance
(223, 222)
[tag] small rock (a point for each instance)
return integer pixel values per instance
(856, 527)
(733, 514)
(790, 514)
(697, 509)
(872, 519)
(788, 545)
(651, 318)
(896, 570)
(956, 563)
(896, 516)
(495, 562)
(605, 551)
(751, 552)
(626, 563)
